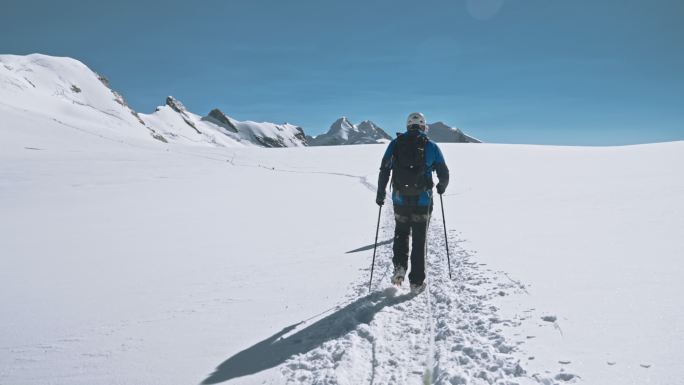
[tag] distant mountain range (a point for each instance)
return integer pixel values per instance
(344, 132)
(68, 92)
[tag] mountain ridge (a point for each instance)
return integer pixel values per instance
(344, 132)
(65, 89)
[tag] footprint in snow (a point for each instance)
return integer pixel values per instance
(566, 376)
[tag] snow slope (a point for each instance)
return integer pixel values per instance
(64, 90)
(343, 132)
(133, 261)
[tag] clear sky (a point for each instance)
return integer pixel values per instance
(589, 72)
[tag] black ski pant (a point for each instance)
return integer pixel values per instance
(413, 221)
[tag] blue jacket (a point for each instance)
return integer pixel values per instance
(434, 161)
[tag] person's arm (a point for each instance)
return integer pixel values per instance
(442, 171)
(385, 170)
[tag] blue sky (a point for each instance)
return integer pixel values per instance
(520, 71)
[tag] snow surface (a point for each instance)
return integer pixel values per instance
(135, 262)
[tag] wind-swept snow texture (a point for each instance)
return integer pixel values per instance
(129, 261)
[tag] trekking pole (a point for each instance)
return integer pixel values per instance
(446, 239)
(375, 246)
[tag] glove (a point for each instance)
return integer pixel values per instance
(440, 188)
(380, 198)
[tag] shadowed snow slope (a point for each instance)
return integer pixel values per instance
(441, 133)
(133, 261)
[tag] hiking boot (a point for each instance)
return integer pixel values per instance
(398, 275)
(417, 288)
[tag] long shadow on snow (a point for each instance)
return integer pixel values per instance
(372, 245)
(275, 349)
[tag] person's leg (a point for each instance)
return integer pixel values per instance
(402, 230)
(418, 234)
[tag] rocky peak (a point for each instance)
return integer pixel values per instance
(367, 127)
(344, 132)
(342, 123)
(219, 117)
(175, 104)
(441, 132)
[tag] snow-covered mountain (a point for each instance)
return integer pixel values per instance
(178, 124)
(344, 132)
(63, 90)
(442, 133)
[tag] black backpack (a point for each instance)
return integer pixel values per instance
(408, 167)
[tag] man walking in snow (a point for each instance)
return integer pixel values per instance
(411, 158)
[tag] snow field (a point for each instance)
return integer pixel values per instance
(118, 260)
(595, 237)
(130, 262)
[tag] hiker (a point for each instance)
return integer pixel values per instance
(411, 158)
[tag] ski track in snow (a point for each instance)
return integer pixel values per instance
(449, 334)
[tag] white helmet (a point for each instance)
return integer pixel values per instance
(416, 118)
